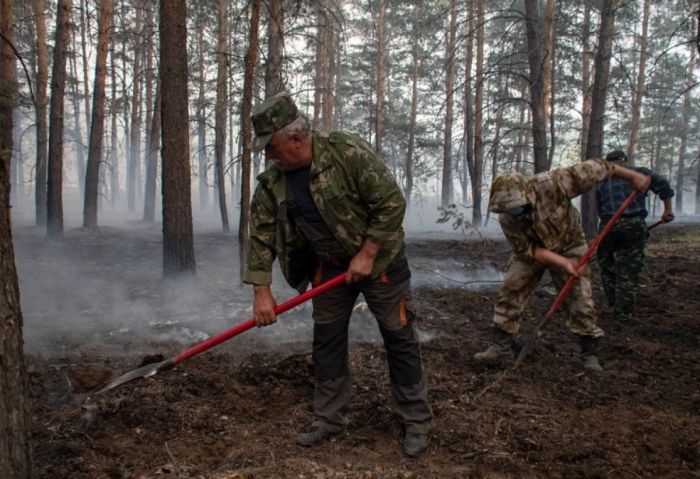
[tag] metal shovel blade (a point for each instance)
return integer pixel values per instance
(143, 372)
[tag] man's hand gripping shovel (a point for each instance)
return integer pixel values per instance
(585, 259)
(155, 368)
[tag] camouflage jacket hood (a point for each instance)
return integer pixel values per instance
(356, 196)
(554, 223)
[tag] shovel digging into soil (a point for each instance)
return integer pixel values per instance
(585, 259)
(155, 368)
(531, 339)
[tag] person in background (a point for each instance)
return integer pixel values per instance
(544, 231)
(326, 205)
(621, 252)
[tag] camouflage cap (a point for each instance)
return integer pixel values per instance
(508, 191)
(273, 114)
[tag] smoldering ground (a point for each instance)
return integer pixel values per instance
(98, 301)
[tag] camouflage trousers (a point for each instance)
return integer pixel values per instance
(522, 278)
(621, 259)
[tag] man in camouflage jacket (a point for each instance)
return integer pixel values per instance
(544, 231)
(621, 253)
(327, 205)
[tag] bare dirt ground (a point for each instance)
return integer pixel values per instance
(234, 412)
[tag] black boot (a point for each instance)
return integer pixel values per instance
(500, 347)
(589, 351)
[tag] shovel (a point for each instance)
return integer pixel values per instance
(155, 368)
(585, 259)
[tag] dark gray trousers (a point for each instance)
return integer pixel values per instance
(390, 302)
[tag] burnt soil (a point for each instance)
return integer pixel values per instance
(235, 415)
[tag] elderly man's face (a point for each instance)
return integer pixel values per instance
(285, 152)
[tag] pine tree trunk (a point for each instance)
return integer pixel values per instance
(550, 103)
(381, 79)
(320, 62)
(113, 157)
(415, 60)
(134, 170)
(247, 133)
(687, 99)
(41, 110)
(178, 241)
(92, 175)
(468, 137)
(220, 112)
(697, 178)
(585, 78)
(15, 451)
(201, 123)
(328, 96)
(77, 133)
(478, 174)
(83, 48)
(594, 145)
(450, 67)
(520, 145)
(275, 48)
(54, 192)
(640, 87)
(149, 197)
(535, 46)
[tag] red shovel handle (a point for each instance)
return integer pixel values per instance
(246, 325)
(586, 258)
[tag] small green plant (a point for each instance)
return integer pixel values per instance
(459, 222)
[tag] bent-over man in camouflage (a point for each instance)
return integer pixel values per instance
(328, 204)
(621, 253)
(544, 231)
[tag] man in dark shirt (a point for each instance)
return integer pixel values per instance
(621, 253)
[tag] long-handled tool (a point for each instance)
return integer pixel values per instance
(654, 225)
(585, 259)
(155, 368)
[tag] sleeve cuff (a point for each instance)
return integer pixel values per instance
(262, 278)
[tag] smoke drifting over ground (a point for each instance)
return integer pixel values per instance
(103, 293)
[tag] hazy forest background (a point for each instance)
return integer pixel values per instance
(449, 93)
(140, 109)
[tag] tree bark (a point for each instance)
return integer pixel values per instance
(247, 133)
(477, 175)
(92, 175)
(415, 60)
(687, 99)
(54, 192)
(201, 122)
(585, 77)
(468, 137)
(134, 166)
(535, 46)
(149, 201)
(328, 96)
(15, 451)
(450, 67)
(381, 79)
(320, 62)
(77, 132)
(220, 112)
(548, 73)
(83, 48)
(42, 80)
(113, 158)
(275, 48)
(640, 87)
(178, 241)
(594, 145)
